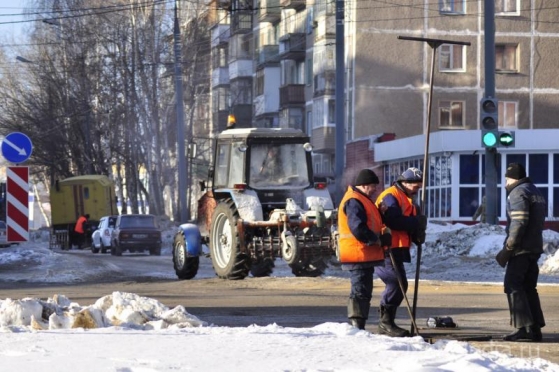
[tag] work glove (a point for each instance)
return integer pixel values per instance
(503, 256)
(385, 239)
(419, 236)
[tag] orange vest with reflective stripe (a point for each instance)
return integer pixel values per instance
(352, 250)
(399, 238)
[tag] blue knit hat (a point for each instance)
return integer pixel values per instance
(411, 175)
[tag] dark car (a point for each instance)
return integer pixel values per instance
(136, 233)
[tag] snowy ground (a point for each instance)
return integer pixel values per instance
(126, 332)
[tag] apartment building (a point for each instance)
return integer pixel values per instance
(274, 66)
(387, 88)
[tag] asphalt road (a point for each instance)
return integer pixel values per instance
(479, 310)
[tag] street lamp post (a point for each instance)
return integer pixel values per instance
(183, 205)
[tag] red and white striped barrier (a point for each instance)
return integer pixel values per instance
(17, 205)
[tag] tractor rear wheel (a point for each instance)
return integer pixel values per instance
(225, 248)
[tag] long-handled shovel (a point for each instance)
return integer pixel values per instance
(434, 44)
(401, 284)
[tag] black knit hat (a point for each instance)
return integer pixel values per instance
(366, 177)
(411, 175)
(515, 171)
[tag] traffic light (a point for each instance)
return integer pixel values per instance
(489, 138)
(506, 139)
(489, 116)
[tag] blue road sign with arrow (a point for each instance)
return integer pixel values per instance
(16, 147)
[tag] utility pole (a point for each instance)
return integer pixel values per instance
(340, 101)
(490, 153)
(182, 205)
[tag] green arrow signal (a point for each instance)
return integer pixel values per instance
(506, 139)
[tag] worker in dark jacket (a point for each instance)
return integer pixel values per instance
(523, 246)
(407, 225)
(360, 245)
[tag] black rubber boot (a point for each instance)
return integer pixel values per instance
(525, 334)
(358, 312)
(386, 325)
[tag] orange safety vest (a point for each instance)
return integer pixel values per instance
(79, 225)
(352, 250)
(400, 239)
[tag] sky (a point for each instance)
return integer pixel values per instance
(130, 333)
(10, 17)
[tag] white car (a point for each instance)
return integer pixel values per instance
(101, 237)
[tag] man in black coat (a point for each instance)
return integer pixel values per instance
(526, 211)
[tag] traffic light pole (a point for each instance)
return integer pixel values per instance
(490, 153)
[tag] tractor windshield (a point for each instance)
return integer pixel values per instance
(278, 165)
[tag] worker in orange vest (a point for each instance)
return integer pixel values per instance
(361, 243)
(80, 230)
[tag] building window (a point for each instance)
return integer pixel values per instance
(220, 57)
(508, 114)
(471, 186)
(452, 6)
(451, 114)
(506, 56)
(309, 77)
(507, 7)
(439, 187)
(331, 111)
(318, 114)
(452, 58)
(259, 86)
(220, 99)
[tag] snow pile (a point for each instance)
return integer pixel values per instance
(120, 309)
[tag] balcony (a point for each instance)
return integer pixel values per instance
(269, 11)
(325, 29)
(292, 46)
(325, 8)
(267, 54)
(292, 94)
(241, 22)
(325, 83)
(220, 76)
(293, 4)
(240, 68)
(220, 35)
(323, 139)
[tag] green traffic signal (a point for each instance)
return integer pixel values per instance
(506, 139)
(489, 139)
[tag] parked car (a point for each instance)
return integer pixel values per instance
(3, 235)
(136, 233)
(101, 237)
